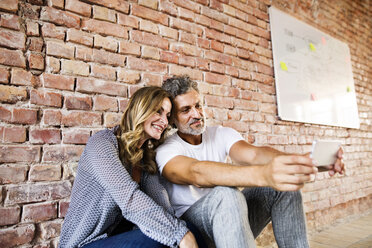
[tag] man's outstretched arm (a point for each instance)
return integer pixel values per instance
(285, 173)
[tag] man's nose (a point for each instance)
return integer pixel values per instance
(196, 113)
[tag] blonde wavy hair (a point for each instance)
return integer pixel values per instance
(144, 102)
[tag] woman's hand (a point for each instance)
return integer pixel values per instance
(188, 241)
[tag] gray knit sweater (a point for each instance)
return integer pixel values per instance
(104, 193)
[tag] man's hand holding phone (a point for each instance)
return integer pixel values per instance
(328, 155)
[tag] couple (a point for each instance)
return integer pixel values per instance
(119, 199)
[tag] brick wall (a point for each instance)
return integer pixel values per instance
(67, 68)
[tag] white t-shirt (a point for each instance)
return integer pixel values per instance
(215, 146)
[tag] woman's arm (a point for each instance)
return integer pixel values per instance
(137, 207)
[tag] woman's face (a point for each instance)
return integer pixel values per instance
(158, 121)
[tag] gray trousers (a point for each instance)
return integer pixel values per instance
(229, 218)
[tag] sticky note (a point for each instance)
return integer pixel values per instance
(283, 66)
(313, 97)
(312, 47)
(324, 41)
(348, 89)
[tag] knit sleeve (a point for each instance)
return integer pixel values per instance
(137, 207)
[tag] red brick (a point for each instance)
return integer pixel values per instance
(188, 5)
(149, 26)
(4, 75)
(104, 57)
(180, 70)
(60, 17)
(104, 72)
(151, 79)
(123, 103)
(38, 192)
(57, 81)
(14, 134)
(168, 7)
(9, 215)
(45, 172)
(245, 104)
(216, 35)
(79, 37)
(75, 136)
(169, 57)
(188, 38)
(59, 49)
(126, 20)
(129, 48)
(52, 117)
(50, 229)
(12, 94)
(32, 28)
(36, 61)
(185, 49)
(10, 21)
(78, 7)
(83, 119)
(216, 67)
(13, 174)
(56, 3)
(52, 31)
(217, 101)
(11, 154)
(12, 39)
(76, 102)
(232, 71)
(187, 26)
(16, 236)
(119, 5)
(24, 116)
(39, 212)
(239, 126)
(45, 98)
(217, 79)
(186, 14)
(88, 85)
(218, 57)
(73, 67)
(12, 58)
(149, 39)
(149, 14)
(202, 64)
(105, 28)
(150, 53)
(217, 46)
(66, 153)
(23, 77)
(52, 65)
(105, 103)
(63, 207)
(45, 136)
(105, 43)
(112, 119)
(146, 65)
(5, 114)
(104, 14)
(186, 60)
(9, 5)
(130, 77)
(168, 32)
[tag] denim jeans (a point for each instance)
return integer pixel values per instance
(136, 239)
(231, 218)
(130, 239)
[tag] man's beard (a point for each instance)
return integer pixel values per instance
(187, 129)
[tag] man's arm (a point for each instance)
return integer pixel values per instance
(285, 173)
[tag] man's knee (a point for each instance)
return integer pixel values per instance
(228, 197)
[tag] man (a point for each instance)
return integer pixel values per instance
(193, 161)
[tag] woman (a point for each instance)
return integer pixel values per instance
(110, 203)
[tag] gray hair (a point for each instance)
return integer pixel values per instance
(179, 85)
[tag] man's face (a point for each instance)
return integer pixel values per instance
(189, 115)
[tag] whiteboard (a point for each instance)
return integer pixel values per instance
(313, 75)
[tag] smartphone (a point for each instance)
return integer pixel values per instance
(324, 152)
